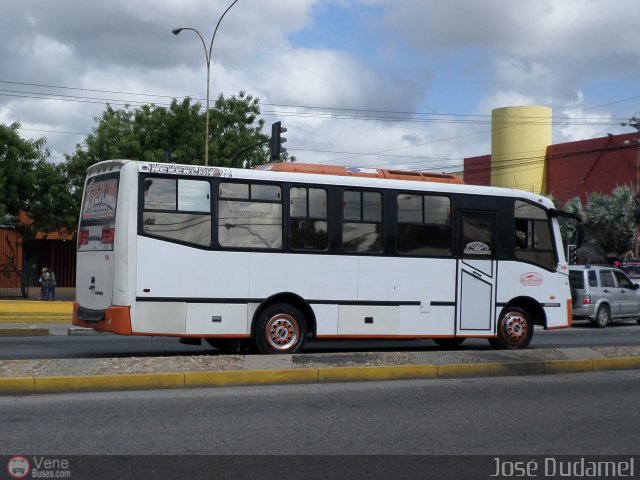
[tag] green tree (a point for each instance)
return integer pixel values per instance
(236, 124)
(32, 186)
(53, 207)
(29, 183)
(146, 133)
(610, 224)
(17, 169)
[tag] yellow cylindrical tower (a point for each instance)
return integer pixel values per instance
(519, 140)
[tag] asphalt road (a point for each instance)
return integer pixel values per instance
(575, 414)
(107, 345)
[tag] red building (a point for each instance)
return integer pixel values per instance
(22, 260)
(575, 169)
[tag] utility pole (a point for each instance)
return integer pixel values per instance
(634, 122)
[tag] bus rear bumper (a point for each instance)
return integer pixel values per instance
(114, 320)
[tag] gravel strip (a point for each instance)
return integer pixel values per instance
(222, 362)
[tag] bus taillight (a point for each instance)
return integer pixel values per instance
(83, 237)
(108, 234)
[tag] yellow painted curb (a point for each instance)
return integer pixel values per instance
(140, 381)
(13, 307)
(621, 363)
(250, 377)
(569, 366)
(35, 319)
(17, 385)
(352, 374)
(26, 385)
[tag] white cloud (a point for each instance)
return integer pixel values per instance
(461, 57)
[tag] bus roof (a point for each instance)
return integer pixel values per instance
(283, 171)
(361, 172)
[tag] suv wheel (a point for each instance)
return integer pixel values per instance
(603, 316)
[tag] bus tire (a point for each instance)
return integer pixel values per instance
(448, 342)
(280, 328)
(515, 330)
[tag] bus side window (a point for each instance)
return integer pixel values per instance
(160, 194)
(177, 210)
(424, 224)
(250, 215)
(308, 227)
(362, 221)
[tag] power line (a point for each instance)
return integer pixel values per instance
(380, 115)
(323, 112)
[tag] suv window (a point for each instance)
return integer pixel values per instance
(606, 278)
(623, 280)
(633, 271)
(593, 280)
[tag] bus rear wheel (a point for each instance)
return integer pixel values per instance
(280, 328)
(515, 330)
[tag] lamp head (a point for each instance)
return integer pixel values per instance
(176, 31)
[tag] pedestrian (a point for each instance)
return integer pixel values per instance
(44, 284)
(52, 285)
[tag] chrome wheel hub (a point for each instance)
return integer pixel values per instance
(282, 332)
(515, 327)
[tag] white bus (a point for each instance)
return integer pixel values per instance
(275, 256)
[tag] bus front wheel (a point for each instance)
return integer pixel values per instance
(515, 330)
(280, 328)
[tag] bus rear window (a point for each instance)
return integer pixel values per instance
(100, 199)
(98, 215)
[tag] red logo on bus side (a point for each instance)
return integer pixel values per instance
(531, 279)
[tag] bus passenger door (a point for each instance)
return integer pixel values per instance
(477, 271)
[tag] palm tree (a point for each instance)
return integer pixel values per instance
(610, 225)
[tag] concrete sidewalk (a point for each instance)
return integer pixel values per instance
(216, 370)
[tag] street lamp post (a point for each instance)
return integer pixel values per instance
(207, 56)
(634, 122)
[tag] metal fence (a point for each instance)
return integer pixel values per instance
(10, 284)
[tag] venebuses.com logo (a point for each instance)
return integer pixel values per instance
(38, 467)
(18, 467)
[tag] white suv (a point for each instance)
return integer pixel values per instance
(601, 294)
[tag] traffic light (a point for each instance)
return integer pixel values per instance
(277, 141)
(572, 254)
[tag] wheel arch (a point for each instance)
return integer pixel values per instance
(538, 316)
(294, 300)
(602, 302)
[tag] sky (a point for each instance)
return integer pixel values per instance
(378, 83)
